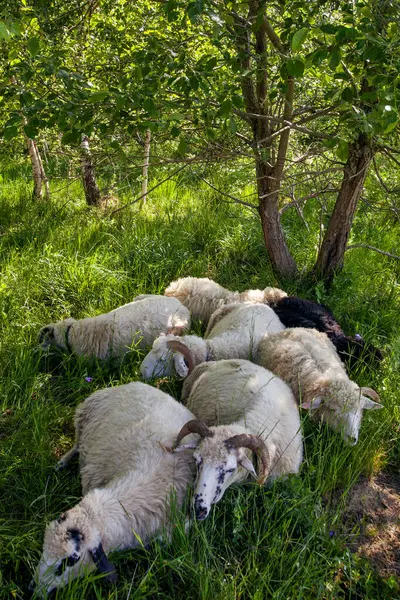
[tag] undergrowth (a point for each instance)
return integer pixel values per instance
(62, 259)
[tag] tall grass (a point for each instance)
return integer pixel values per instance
(63, 259)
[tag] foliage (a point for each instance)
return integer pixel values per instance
(65, 259)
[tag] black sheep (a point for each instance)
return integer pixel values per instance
(296, 312)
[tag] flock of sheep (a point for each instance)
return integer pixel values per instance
(263, 355)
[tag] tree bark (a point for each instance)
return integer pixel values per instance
(39, 176)
(268, 193)
(269, 175)
(145, 180)
(331, 255)
(92, 192)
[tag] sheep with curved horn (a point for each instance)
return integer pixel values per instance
(241, 409)
(235, 331)
(128, 479)
(307, 360)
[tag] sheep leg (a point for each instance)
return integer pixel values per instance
(62, 463)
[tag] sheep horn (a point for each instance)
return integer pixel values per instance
(255, 443)
(371, 393)
(194, 426)
(178, 346)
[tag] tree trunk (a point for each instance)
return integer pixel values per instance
(39, 176)
(92, 192)
(268, 194)
(331, 255)
(146, 167)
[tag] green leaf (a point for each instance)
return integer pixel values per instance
(175, 131)
(31, 131)
(71, 137)
(97, 97)
(232, 125)
(299, 38)
(392, 29)
(33, 46)
(177, 116)
(225, 108)
(342, 150)
(295, 67)
(330, 29)
(347, 95)
(319, 56)
(330, 143)
(334, 59)
(10, 132)
(4, 32)
(183, 146)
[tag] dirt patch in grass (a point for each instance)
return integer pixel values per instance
(374, 505)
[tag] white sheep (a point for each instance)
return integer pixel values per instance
(240, 407)
(235, 331)
(203, 296)
(307, 360)
(128, 478)
(112, 334)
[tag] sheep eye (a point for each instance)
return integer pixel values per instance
(66, 562)
(230, 471)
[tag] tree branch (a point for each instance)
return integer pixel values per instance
(237, 200)
(273, 36)
(373, 248)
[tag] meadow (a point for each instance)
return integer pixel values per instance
(291, 540)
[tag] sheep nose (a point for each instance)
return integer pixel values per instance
(352, 440)
(201, 513)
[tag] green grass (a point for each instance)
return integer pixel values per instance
(62, 260)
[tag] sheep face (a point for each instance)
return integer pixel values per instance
(218, 467)
(341, 407)
(71, 548)
(54, 334)
(161, 362)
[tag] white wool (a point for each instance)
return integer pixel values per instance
(235, 397)
(307, 360)
(203, 296)
(128, 477)
(235, 331)
(112, 334)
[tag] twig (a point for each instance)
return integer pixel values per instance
(373, 248)
(237, 200)
(153, 188)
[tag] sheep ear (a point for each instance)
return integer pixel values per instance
(180, 365)
(312, 404)
(248, 465)
(102, 563)
(370, 404)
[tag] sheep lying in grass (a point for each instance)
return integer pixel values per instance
(297, 312)
(203, 296)
(111, 335)
(307, 360)
(235, 331)
(250, 410)
(128, 478)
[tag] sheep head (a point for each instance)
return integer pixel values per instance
(171, 355)
(55, 334)
(72, 546)
(220, 458)
(340, 404)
